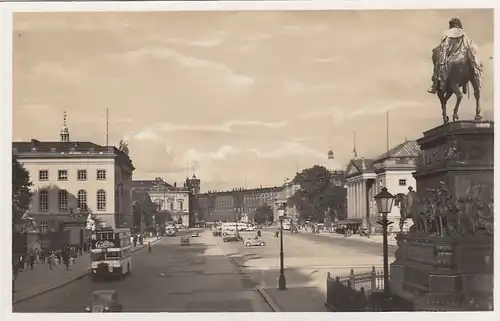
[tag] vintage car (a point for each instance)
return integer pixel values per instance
(254, 242)
(104, 301)
(195, 234)
(233, 238)
(185, 240)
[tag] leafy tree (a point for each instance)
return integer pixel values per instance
(318, 196)
(123, 146)
(263, 214)
(21, 192)
(143, 205)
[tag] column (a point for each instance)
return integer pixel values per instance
(363, 202)
(356, 214)
(349, 200)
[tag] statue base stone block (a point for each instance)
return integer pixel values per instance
(445, 261)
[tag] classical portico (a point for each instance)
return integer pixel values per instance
(360, 180)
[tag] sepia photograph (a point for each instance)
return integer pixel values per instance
(252, 161)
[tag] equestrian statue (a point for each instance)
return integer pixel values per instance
(455, 65)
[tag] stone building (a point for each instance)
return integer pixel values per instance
(366, 177)
(70, 180)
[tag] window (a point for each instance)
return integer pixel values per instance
(180, 205)
(63, 200)
(43, 201)
(101, 200)
(62, 175)
(44, 227)
(171, 206)
(82, 175)
(82, 200)
(101, 174)
(43, 175)
(402, 182)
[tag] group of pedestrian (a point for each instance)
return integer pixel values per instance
(67, 256)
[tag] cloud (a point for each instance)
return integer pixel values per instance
(144, 135)
(289, 149)
(226, 127)
(208, 42)
(207, 68)
(339, 115)
(153, 156)
(34, 107)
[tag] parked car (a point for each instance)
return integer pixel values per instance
(185, 240)
(104, 301)
(251, 228)
(254, 242)
(233, 238)
(195, 234)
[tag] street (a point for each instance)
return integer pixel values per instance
(210, 275)
(173, 278)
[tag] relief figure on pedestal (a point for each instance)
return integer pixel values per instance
(474, 211)
(401, 201)
(456, 64)
(441, 207)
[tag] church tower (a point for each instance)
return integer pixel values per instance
(64, 130)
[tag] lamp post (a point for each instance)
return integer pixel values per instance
(282, 279)
(385, 201)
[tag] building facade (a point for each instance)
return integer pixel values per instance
(171, 199)
(71, 180)
(237, 204)
(366, 177)
(281, 202)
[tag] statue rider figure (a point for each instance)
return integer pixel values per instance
(454, 37)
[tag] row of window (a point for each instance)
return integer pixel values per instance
(43, 201)
(62, 175)
(171, 204)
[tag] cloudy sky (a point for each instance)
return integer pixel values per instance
(235, 94)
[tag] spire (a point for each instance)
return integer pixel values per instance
(354, 152)
(64, 130)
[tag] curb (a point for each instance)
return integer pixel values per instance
(270, 301)
(78, 277)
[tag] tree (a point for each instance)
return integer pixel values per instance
(263, 214)
(21, 192)
(143, 205)
(123, 147)
(318, 196)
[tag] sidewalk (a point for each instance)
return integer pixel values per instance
(31, 283)
(295, 299)
(375, 239)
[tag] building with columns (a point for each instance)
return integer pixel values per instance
(366, 177)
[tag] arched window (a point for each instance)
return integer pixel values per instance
(63, 200)
(82, 200)
(101, 200)
(43, 201)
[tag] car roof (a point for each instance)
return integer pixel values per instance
(104, 296)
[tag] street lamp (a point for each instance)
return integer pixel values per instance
(385, 201)
(282, 280)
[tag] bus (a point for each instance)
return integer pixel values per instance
(111, 253)
(287, 224)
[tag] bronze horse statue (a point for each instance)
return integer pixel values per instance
(460, 71)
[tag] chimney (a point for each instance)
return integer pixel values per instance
(175, 184)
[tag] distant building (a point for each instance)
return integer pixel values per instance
(366, 177)
(171, 199)
(70, 180)
(234, 204)
(287, 191)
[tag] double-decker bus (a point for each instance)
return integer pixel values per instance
(111, 253)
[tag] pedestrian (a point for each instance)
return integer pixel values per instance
(50, 260)
(65, 258)
(31, 260)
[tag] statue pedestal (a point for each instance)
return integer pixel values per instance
(445, 261)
